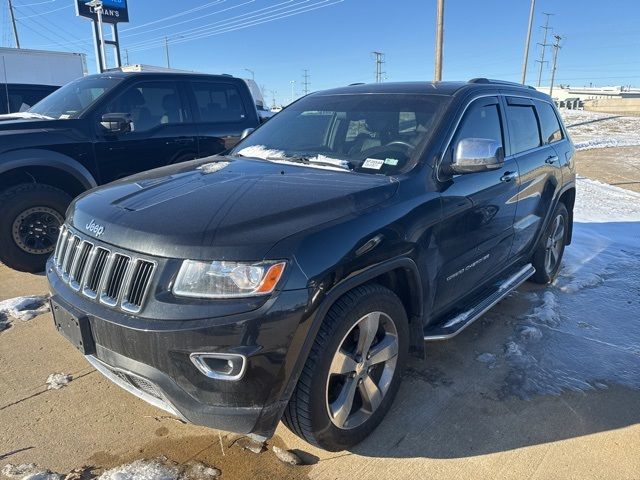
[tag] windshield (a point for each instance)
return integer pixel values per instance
(370, 133)
(72, 99)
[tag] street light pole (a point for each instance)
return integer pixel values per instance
(527, 43)
(292, 82)
(253, 74)
(437, 74)
(166, 51)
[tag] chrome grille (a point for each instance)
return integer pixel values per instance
(114, 278)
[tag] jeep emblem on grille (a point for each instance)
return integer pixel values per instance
(94, 228)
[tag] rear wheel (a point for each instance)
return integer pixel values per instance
(29, 224)
(353, 371)
(548, 255)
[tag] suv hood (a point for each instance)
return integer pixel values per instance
(228, 208)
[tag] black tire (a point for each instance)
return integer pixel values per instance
(307, 414)
(547, 272)
(30, 202)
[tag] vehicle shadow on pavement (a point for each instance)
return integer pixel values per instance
(546, 364)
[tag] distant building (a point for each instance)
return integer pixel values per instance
(566, 96)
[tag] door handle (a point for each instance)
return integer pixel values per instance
(551, 159)
(508, 176)
(181, 141)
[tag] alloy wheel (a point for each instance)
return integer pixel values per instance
(361, 370)
(554, 244)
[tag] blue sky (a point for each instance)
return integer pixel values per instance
(334, 39)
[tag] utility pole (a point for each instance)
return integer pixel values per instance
(379, 62)
(527, 42)
(437, 72)
(126, 55)
(556, 47)
(166, 51)
(293, 92)
(544, 45)
(13, 22)
(305, 80)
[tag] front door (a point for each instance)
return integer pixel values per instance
(477, 230)
(162, 130)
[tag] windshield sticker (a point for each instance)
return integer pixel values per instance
(391, 161)
(65, 116)
(373, 163)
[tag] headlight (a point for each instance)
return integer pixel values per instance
(227, 279)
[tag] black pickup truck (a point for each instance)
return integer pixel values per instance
(101, 128)
(290, 278)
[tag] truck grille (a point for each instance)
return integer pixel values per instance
(100, 273)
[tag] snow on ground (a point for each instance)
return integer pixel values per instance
(22, 308)
(590, 130)
(56, 381)
(28, 471)
(583, 331)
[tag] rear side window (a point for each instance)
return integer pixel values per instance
(551, 131)
(219, 102)
(523, 127)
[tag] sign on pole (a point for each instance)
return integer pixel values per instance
(113, 11)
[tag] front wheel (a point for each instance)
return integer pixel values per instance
(548, 255)
(29, 224)
(353, 371)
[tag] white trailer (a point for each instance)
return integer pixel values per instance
(26, 76)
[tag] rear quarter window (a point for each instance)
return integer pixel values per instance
(549, 124)
(523, 128)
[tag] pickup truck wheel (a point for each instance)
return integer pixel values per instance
(548, 255)
(353, 371)
(29, 225)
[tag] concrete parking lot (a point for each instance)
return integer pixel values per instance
(560, 400)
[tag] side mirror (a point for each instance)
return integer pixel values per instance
(117, 122)
(477, 155)
(246, 132)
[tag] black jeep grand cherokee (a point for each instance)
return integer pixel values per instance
(291, 278)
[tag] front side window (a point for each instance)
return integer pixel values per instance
(523, 127)
(367, 133)
(150, 104)
(481, 121)
(551, 131)
(74, 98)
(219, 102)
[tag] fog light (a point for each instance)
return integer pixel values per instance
(220, 366)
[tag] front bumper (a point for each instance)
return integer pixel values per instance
(151, 358)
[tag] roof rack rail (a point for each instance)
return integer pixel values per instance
(492, 81)
(357, 83)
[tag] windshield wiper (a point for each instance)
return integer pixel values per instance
(312, 161)
(28, 114)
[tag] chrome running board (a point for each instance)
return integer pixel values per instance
(456, 324)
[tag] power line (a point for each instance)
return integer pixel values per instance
(305, 81)
(176, 15)
(544, 45)
(231, 28)
(43, 13)
(379, 57)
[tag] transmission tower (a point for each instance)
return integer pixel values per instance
(305, 81)
(544, 46)
(379, 56)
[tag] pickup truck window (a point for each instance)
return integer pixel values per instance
(376, 134)
(218, 102)
(523, 127)
(551, 131)
(150, 104)
(74, 98)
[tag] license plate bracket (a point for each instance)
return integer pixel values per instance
(75, 328)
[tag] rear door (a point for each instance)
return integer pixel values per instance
(222, 110)
(533, 131)
(476, 233)
(163, 130)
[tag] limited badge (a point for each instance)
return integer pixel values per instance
(373, 163)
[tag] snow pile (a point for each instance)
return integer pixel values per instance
(590, 130)
(213, 167)
(583, 332)
(278, 156)
(56, 381)
(22, 308)
(29, 471)
(143, 470)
